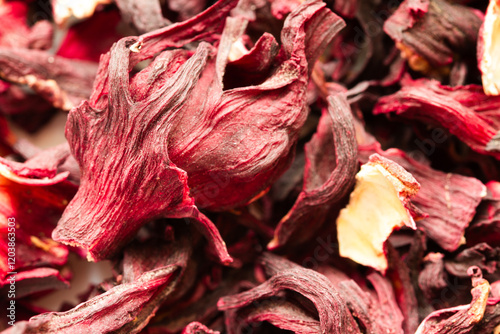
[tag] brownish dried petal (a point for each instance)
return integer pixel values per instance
(144, 16)
(62, 82)
(432, 279)
(197, 328)
(481, 255)
(460, 319)
(430, 32)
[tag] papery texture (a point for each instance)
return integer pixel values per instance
(62, 82)
(334, 316)
(431, 33)
(378, 204)
(327, 175)
(127, 307)
(449, 201)
(465, 318)
(464, 111)
(184, 133)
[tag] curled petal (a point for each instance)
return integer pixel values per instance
(327, 176)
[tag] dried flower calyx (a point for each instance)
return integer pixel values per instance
(162, 138)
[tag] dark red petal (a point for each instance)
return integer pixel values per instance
(327, 176)
(449, 201)
(33, 281)
(429, 39)
(334, 316)
(125, 308)
(466, 318)
(197, 328)
(465, 111)
(101, 218)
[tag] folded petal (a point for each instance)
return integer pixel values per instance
(429, 39)
(327, 176)
(62, 82)
(379, 204)
(464, 318)
(465, 111)
(448, 200)
(127, 307)
(334, 316)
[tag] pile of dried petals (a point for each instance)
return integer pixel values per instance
(252, 166)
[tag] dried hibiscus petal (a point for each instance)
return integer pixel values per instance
(62, 82)
(279, 102)
(400, 276)
(34, 205)
(127, 307)
(333, 314)
(144, 16)
(181, 128)
(433, 278)
(197, 328)
(327, 176)
(465, 318)
(152, 182)
(379, 203)
(486, 224)
(431, 33)
(376, 311)
(448, 200)
(465, 111)
(279, 313)
(481, 255)
(33, 281)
